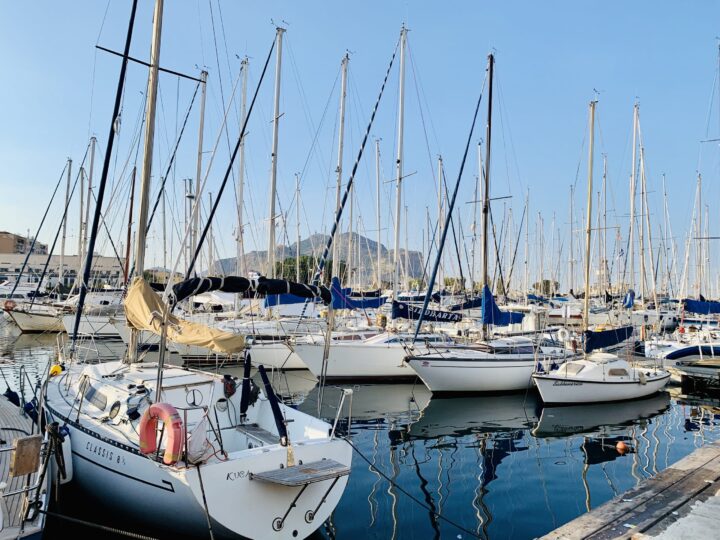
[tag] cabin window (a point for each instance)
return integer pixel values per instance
(573, 369)
(618, 372)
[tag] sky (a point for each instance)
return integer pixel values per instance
(552, 59)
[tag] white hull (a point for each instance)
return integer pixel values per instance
(494, 373)
(356, 360)
(97, 326)
(571, 390)
(276, 355)
(109, 466)
(36, 322)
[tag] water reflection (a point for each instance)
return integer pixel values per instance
(500, 466)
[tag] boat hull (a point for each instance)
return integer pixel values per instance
(356, 362)
(570, 390)
(29, 322)
(474, 375)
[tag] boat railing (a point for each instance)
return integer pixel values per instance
(346, 392)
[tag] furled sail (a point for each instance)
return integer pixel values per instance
(491, 313)
(700, 307)
(401, 310)
(467, 304)
(606, 338)
(145, 310)
(342, 300)
(260, 286)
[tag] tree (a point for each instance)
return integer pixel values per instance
(286, 269)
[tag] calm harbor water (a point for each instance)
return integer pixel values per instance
(492, 467)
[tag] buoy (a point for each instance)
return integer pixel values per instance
(173, 431)
(622, 448)
(55, 370)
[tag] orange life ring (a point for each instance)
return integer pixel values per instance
(9, 305)
(173, 431)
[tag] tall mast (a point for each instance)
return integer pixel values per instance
(273, 169)
(81, 228)
(93, 140)
(605, 274)
(486, 187)
(128, 240)
(474, 224)
(377, 181)
(588, 218)
(631, 259)
(572, 251)
(641, 229)
(61, 275)
(399, 163)
(440, 220)
(698, 234)
(407, 251)
(146, 173)
(297, 216)
(338, 169)
(240, 267)
(198, 170)
(527, 244)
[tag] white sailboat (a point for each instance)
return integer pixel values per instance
(598, 376)
(490, 365)
(227, 462)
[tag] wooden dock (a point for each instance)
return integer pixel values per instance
(683, 501)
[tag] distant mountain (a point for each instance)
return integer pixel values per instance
(314, 245)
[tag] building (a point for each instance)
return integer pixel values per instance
(14, 243)
(105, 270)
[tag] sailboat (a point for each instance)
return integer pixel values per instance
(598, 376)
(490, 365)
(228, 461)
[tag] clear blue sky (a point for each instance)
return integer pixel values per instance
(58, 90)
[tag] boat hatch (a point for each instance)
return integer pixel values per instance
(307, 473)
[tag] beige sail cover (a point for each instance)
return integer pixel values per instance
(145, 310)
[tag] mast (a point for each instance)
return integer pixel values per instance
(61, 276)
(399, 163)
(338, 169)
(641, 229)
(440, 218)
(273, 170)
(572, 226)
(474, 224)
(698, 233)
(297, 216)
(588, 222)
(145, 176)
(240, 266)
(198, 170)
(93, 140)
(527, 244)
(377, 181)
(631, 281)
(81, 228)
(605, 273)
(128, 241)
(486, 186)
(407, 268)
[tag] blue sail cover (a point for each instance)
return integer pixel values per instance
(401, 310)
(606, 338)
(629, 299)
(467, 304)
(272, 300)
(700, 307)
(491, 313)
(341, 298)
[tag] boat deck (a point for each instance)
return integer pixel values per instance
(683, 501)
(12, 426)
